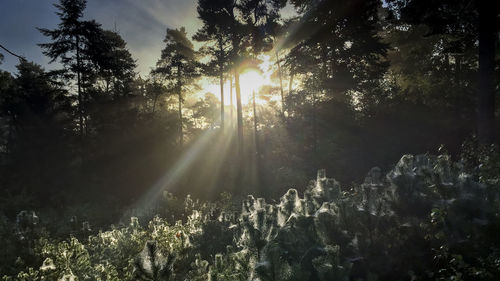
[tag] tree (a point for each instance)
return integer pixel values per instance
(205, 111)
(467, 22)
(178, 66)
(256, 137)
(216, 21)
(488, 34)
(336, 49)
(260, 19)
(154, 89)
(222, 16)
(246, 25)
(38, 111)
(6, 107)
(344, 42)
(113, 64)
(69, 41)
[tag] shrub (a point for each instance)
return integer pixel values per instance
(427, 218)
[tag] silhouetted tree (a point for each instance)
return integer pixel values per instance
(466, 22)
(69, 41)
(39, 114)
(336, 49)
(215, 33)
(179, 67)
(113, 63)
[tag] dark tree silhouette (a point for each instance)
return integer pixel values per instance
(214, 32)
(470, 22)
(178, 66)
(113, 66)
(69, 41)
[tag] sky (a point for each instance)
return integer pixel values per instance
(141, 23)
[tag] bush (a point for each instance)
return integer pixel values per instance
(427, 218)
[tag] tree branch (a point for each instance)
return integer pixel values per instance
(18, 56)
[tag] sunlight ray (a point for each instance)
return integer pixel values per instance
(170, 178)
(217, 159)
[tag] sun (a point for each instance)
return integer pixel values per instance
(250, 81)
(252, 78)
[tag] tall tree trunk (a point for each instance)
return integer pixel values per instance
(458, 69)
(290, 83)
(10, 134)
(486, 95)
(290, 87)
(78, 82)
(231, 98)
(85, 101)
(281, 85)
(181, 137)
(179, 92)
(221, 99)
(257, 151)
(315, 128)
(258, 165)
(155, 99)
(239, 113)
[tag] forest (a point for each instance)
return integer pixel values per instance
(304, 140)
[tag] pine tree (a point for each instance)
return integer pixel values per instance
(473, 24)
(69, 41)
(179, 67)
(214, 32)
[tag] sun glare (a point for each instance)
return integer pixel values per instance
(251, 79)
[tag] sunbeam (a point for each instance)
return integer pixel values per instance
(178, 170)
(215, 166)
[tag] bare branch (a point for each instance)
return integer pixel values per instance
(18, 56)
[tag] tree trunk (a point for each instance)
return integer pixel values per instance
(231, 98)
(281, 85)
(85, 101)
(486, 95)
(290, 88)
(154, 103)
(257, 155)
(181, 138)
(78, 82)
(314, 127)
(179, 92)
(222, 100)
(239, 113)
(10, 133)
(257, 152)
(458, 69)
